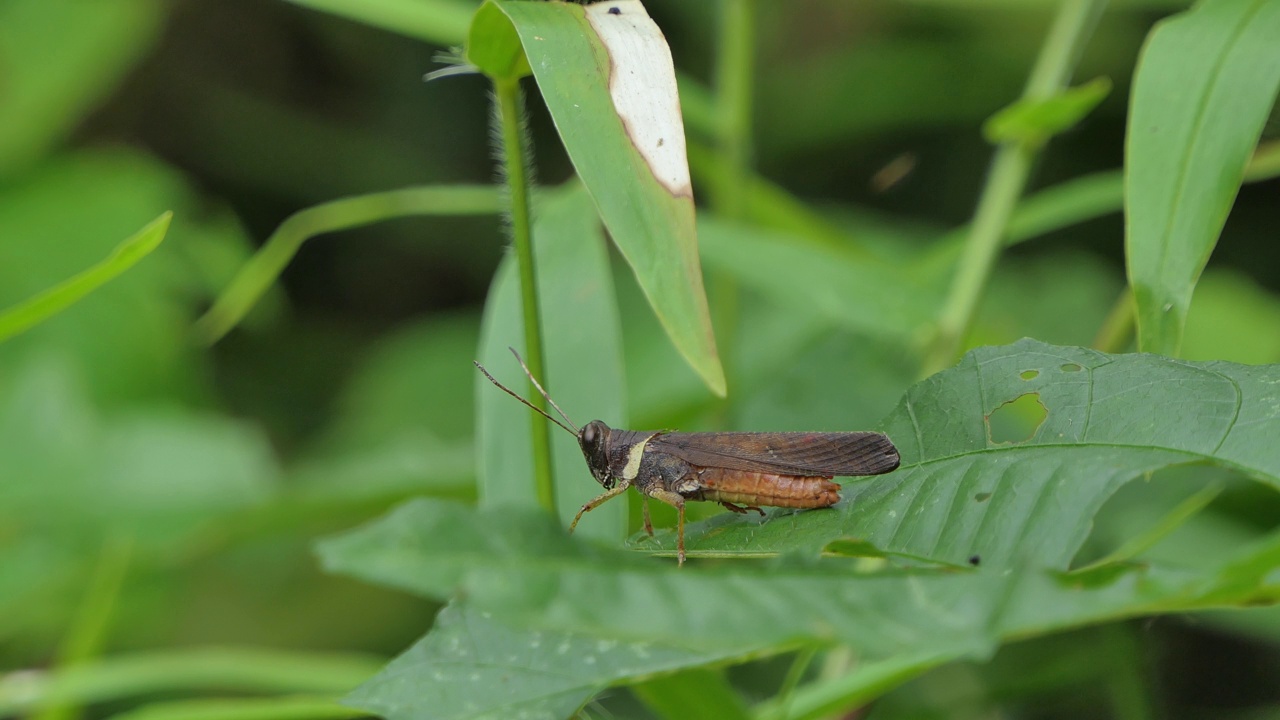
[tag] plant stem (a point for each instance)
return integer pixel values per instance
(1006, 181)
(88, 631)
(735, 71)
(516, 165)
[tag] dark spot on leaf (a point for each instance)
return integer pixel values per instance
(982, 496)
(1071, 367)
(661, 141)
(615, 11)
(975, 560)
(1016, 421)
(1029, 374)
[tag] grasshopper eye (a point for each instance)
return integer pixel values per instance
(589, 435)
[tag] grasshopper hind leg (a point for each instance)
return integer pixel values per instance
(675, 500)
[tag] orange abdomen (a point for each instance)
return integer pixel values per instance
(757, 488)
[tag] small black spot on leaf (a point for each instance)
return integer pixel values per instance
(615, 11)
(975, 560)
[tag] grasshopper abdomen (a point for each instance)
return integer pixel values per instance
(760, 488)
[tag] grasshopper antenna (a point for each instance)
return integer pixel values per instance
(538, 385)
(533, 407)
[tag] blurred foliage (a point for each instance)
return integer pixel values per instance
(160, 498)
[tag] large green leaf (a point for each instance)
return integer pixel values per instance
(1109, 418)
(1019, 510)
(864, 293)
(652, 225)
(582, 334)
(515, 562)
(1205, 84)
(472, 666)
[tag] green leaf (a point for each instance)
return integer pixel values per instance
(859, 686)
(1022, 508)
(285, 708)
(56, 299)
(443, 22)
(652, 224)
(530, 573)
(1109, 418)
(1205, 84)
(1035, 121)
(1224, 322)
(494, 47)
(700, 693)
(130, 340)
(209, 669)
(471, 666)
(256, 277)
(582, 337)
(46, 94)
(865, 294)
(74, 475)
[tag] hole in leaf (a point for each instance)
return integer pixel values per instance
(1029, 374)
(982, 496)
(1071, 367)
(1017, 420)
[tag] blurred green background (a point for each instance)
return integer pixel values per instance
(157, 495)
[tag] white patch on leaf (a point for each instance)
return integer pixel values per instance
(642, 84)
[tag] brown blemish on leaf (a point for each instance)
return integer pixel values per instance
(646, 102)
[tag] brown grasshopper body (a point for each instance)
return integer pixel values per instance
(740, 470)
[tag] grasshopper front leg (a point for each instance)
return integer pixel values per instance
(599, 500)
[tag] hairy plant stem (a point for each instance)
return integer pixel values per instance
(1005, 183)
(517, 172)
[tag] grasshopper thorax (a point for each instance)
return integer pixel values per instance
(593, 438)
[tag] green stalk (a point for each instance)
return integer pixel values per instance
(1006, 181)
(515, 159)
(735, 71)
(88, 631)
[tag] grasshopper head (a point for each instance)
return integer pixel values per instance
(593, 438)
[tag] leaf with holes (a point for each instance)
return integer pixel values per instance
(970, 484)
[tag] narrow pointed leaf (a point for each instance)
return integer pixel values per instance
(36, 310)
(1205, 84)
